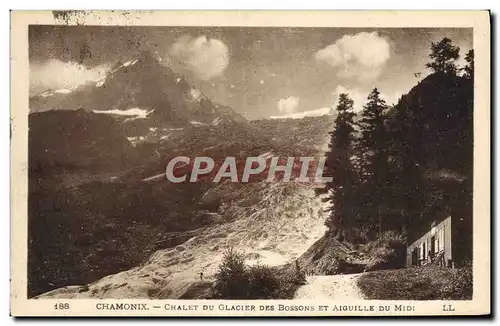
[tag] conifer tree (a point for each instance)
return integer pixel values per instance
(469, 68)
(444, 54)
(407, 156)
(373, 151)
(373, 141)
(340, 168)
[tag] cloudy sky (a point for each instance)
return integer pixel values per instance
(259, 72)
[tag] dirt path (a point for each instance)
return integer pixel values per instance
(330, 287)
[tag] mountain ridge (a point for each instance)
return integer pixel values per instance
(142, 83)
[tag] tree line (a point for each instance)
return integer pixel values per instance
(378, 162)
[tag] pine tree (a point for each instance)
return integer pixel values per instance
(469, 68)
(444, 54)
(340, 168)
(373, 150)
(406, 156)
(373, 141)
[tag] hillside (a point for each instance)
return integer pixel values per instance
(91, 155)
(105, 223)
(428, 283)
(269, 230)
(433, 124)
(89, 149)
(439, 110)
(190, 224)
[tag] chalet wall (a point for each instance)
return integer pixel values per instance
(442, 234)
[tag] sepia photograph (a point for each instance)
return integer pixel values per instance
(300, 163)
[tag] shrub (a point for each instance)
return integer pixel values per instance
(418, 283)
(459, 286)
(231, 279)
(262, 282)
(387, 251)
(235, 280)
(289, 281)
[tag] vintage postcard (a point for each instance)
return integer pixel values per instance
(239, 163)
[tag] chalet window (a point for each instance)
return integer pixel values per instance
(420, 253)
(414, 257)
(424, 250)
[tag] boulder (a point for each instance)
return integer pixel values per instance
(210, 201)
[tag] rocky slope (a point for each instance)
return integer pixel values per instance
(100, 215)
(271, 224)
(86, 223)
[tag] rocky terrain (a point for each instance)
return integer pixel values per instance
(283, 221)
(101, 221)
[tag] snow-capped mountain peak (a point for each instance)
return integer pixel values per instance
(144, 94)
(301, 115)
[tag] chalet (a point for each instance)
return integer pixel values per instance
(442, 235)
(435, 244)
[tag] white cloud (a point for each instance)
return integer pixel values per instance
(205, 58)
(55, 74)
(361, 55)
(390, 99)
(359, 97)
(288, 105)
